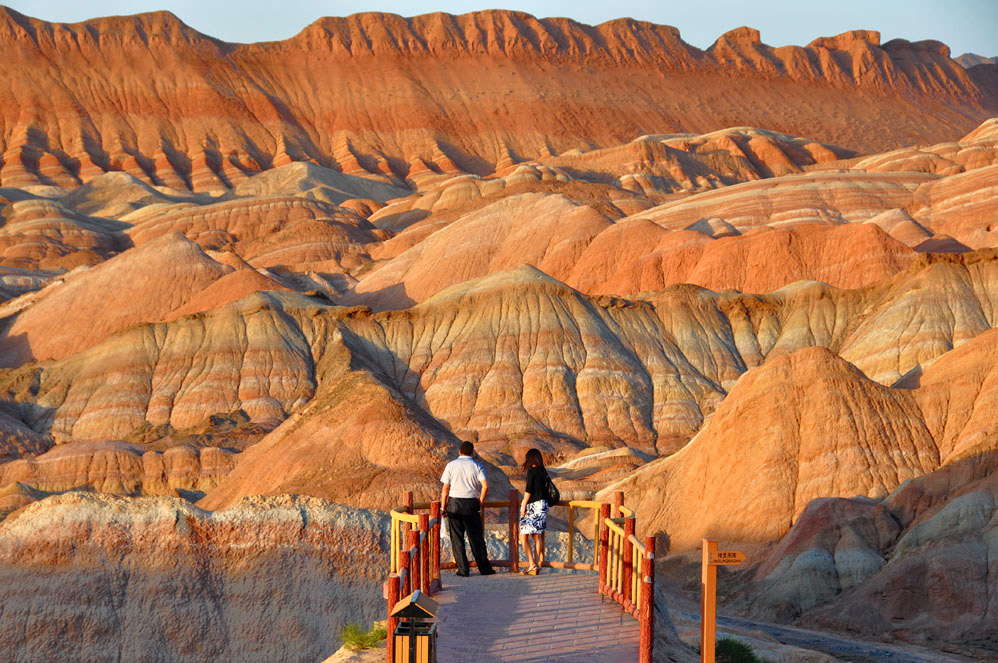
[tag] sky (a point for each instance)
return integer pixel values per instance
(964, 25)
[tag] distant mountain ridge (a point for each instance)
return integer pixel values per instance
(968, 60)
(381, 95)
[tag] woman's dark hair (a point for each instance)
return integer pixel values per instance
(533, 459)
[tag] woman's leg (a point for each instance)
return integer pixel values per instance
(541, 547)
(538, 551)
(527, 550)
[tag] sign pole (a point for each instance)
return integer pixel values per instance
(708, 602)
(712, 558)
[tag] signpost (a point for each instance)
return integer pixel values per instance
(712, 558)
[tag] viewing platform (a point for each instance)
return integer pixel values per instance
(599, 609)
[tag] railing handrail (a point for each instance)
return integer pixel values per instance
(612, 524)
(638, 545)
(402, 511)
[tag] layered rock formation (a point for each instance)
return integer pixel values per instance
(918, 565)
(513, 355)
(311, 267)
(41, 234)
(120, 468)
(99, 578)
(810, 425)
(113, 296)
(848, 227)
(545, 85)
(358, 441)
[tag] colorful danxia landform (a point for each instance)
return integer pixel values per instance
(251, 293)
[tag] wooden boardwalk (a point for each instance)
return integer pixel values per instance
(554, 617)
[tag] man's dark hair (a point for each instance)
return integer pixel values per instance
(467, 449)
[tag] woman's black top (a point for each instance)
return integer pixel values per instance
(536, 481)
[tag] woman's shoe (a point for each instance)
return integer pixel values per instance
(532, 571)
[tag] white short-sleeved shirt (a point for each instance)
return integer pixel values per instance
(465, 477)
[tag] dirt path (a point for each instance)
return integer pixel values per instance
(843, 649)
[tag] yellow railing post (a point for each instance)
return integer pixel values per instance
(635, 575)
(415, 565)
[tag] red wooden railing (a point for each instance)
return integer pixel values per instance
(627, 568)
(626, 565)
(415, 557)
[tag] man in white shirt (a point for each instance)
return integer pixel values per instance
(464, 491)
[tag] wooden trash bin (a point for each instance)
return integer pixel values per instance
(415, 638)
(425, 636)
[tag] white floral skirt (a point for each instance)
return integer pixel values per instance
(535, 520)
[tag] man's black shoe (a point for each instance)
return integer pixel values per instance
(463, 575)
(490, 572)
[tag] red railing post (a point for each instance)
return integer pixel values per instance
(392, 622)
(406, 527)
(404, 571)
(435, 547)
(627, 578)
(514, 531)
(604, 546)
(424, 558)
(618, 501)
(414, 563)
(647, 601)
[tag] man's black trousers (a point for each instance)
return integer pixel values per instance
(464, 515)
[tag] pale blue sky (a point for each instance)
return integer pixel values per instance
(965, 25)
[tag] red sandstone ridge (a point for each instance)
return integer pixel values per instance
(528, 88)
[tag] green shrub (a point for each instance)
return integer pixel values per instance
(729, 650)
(355, 637)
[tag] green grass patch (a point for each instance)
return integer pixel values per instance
(729, 650)
(355, 636)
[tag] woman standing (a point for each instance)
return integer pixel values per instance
(534, 511)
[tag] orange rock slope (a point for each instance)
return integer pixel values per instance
(376, 94)
(809, 425)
